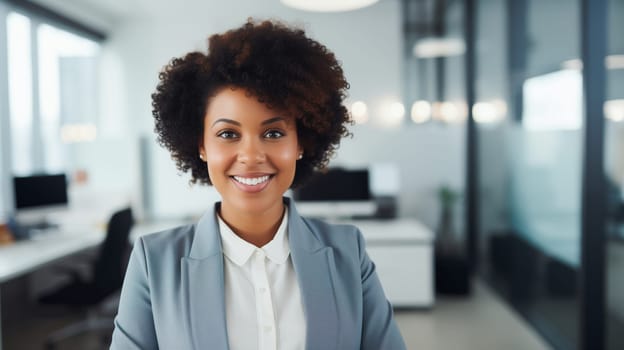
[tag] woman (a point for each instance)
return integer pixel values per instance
(258, 114)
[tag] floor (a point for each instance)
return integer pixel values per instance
(480, 322)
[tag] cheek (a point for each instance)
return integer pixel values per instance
(216, 159)
(287, 150)
(288, 156)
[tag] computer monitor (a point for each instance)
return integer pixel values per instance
(40, 191)
(38, 200)
(339, 193)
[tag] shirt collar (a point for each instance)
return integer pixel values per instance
(238, 250)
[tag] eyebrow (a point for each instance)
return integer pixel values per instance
(225, 120)
(273, 120)
(230, 121)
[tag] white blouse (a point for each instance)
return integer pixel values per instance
(263, 305)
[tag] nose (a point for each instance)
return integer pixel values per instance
(251, 151)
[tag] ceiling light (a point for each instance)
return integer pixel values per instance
(439, 47)
(615, 61)
(328, 5)
(489, 112)
(359, 111)
(573, 64)
(390, 113)
(74, 133)
(611, 62)
(421, 111)
(614, 110)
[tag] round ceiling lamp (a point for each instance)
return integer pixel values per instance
(328, 5)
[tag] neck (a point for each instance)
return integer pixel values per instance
(256, 228)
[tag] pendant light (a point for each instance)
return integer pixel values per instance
(328, 5)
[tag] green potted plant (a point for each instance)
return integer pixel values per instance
(446, 239)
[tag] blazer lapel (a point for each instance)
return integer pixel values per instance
(203, 287)
(315, 268)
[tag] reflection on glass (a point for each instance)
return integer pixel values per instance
(553, 101)
(530, 130)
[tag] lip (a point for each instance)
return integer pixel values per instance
(252, 188)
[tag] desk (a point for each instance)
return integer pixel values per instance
(22, 257)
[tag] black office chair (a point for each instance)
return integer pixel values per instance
(107, 277)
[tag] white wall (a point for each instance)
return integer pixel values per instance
(428, 156)
(368, 42)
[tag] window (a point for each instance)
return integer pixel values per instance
(20, 91)
(52, 93)
(48, 92)
(67, 92)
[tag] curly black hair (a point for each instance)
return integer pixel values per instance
(277, 64)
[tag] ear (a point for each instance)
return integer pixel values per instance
(201, 151)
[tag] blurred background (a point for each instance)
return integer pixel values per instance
(488, 144)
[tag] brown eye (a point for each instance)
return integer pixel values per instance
(227, 134)
(273, 134)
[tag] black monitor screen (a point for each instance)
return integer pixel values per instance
(40, 190)
(336, 185)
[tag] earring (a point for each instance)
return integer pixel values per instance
(201, 156)
(300, 156)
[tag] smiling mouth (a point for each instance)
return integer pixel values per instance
(252, 181)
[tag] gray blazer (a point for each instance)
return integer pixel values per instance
(173, 293)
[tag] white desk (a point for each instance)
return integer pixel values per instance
(22, 257)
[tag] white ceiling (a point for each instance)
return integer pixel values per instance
(105, 14)
(102, 14)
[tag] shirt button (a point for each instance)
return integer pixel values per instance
(262, 290)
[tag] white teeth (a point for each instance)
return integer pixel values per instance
(251, 181)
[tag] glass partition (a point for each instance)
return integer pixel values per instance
(614, 171)
(529, 117)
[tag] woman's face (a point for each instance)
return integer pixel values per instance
(251, 152)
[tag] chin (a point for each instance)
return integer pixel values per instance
(256, 204)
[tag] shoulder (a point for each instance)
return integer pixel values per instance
(331, 230)
(338, 236)
(173, 243)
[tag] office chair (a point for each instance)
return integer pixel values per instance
(107, 277)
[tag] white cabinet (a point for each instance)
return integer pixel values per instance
(402, 251)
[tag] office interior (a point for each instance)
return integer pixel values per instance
(498, 125)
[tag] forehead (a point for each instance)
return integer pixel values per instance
(238, 104)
